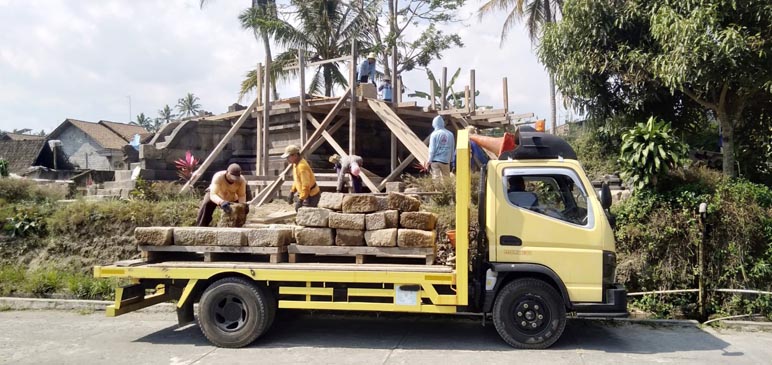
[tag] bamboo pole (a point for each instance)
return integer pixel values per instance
(259, 122)
(352, 129)
(302, 104)
(444, 87)
(472, 91)
(266, 116)
(433, 105)
(505, 90)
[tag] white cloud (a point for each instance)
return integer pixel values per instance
(81, 59)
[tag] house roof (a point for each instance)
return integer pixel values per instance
(21, 154)
(126, 131)
(103, 135)
(21, 137)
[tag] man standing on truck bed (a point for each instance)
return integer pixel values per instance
(442, 145)
(227, 187)
(351, 165)
(303, 179)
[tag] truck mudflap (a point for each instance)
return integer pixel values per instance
(615, 305)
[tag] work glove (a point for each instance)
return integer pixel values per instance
(290, 198)
(226, 207)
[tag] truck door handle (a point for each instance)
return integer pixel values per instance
(510, 241)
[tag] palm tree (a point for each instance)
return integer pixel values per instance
(325, 30)
(166, 114)
(536, 14)
(145, 122)
(261, 18)
(188, 106)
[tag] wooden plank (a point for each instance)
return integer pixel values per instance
(259, 123)
(209, 159)
(266, 115)
(444, 91)
(342, 153)
(505, 91)
(266, 193)
(318, 63)
(334, 128)
(221, 249)
(307, 266)
(403, 132)
(402, 166)
(472, 98)
(407, 252)
(352, 119)
(302, 99)
(458, 111)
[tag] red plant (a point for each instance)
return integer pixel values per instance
(186, 166)
(420, 167)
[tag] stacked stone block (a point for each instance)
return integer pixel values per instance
(366, 220)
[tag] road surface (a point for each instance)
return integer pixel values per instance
(54, 337)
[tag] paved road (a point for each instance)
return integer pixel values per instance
(50, 337)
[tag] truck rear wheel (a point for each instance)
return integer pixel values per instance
(234, 312)
(529, 314)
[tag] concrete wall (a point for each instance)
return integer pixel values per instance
(82, 150)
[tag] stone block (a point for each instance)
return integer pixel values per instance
(236, 218)
(418, 220)
(411, 191)
(382, 220)
(349, 237)
(205, 236)
(415, 238)
(359, 203)
(381, 238)
(312, 217)
(347, 221)
(403, 203)
(269, 237)
(395, 186)
(154, 236)
(308, 236)
(333, 201)
(383, 203)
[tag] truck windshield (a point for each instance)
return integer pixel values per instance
(555, 195)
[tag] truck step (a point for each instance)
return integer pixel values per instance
(213, 253)
(360, 254)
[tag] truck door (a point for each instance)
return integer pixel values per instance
(544, 216)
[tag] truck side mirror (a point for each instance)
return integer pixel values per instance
(605, 195)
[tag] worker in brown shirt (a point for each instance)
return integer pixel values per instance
(227, 187)
(303, 179)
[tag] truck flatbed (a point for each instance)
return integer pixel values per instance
(283, 266)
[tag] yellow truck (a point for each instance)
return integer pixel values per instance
(545, 251)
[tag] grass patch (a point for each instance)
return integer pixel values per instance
(16, 280)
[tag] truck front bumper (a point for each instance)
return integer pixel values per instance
(615, 305)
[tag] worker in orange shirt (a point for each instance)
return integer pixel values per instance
(227, 187)
(303, 180)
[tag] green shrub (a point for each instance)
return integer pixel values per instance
(44, 282)
(3, 168)
(19, 190)
(658, 234)
(597, 149)
(82, 286)
(649, 151)
(11, 279)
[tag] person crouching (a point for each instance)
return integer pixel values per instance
(227, 187)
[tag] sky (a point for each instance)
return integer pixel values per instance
(113, 59)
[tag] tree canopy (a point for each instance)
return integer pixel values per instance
(615, 56)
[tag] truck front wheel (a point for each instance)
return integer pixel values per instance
(529, 314)
(233, 312)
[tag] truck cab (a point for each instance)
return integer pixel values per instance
(547, 244)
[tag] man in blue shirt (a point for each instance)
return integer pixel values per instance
(441, 147)
(367, 69)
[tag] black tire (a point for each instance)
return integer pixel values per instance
(233, 312)
(272, 304)
(529, 314)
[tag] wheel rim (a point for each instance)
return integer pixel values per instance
(531, 314)
(230, 313)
